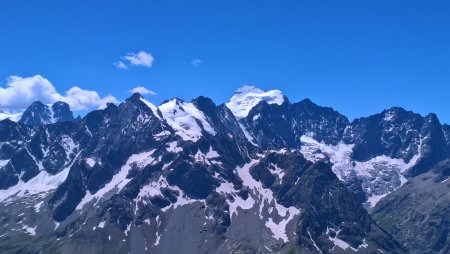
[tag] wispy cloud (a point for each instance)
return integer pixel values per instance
(141, 58)
(120, 65)
(20, 92)
(142, 90)
(196, 62)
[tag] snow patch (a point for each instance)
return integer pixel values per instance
(161, 135)
(154, 189)
(37, 207)
(127, 230)
(30, 230)
(158, 238)
(3, 163)
(182, 200)
(277, 171)
(227, 188)
(201, 157)
(342, 244)
(90, 162)
(279, 229)
(101, 224)
(374, 199)
(173, 147)
(314, 243)
(69, 146)
(211, 154)
(247, 135)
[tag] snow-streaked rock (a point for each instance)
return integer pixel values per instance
(120, 179)
(184, 118)
(43, 182)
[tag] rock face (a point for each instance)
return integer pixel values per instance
(62, 112)
(417, 214)
(372, 155)
(258, 174)
(40, 114)
(277, 126)
(399, 134)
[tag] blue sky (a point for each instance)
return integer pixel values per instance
(358, 56)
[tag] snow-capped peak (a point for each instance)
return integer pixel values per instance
(246, 97)
(183, 117)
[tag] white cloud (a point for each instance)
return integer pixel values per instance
(120, 65)
(80, 99)
(196, 62)
(20, 92)
(142, 90)
(12, 116)
(141, 58)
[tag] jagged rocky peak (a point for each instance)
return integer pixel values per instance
(311, 108)
(434, 147)
(247, 97)
(135, 96)
(395, 114)
(395, 132)
(39, 113)
(322, 123)
(400, 119)
(282, 125)
(138, 99)
(205, 104)
(62, 112)
(36, 114)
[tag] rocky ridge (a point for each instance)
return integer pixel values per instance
(258, 174)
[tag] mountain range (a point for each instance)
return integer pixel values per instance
(258, 174)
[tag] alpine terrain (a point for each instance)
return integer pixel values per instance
(258, 174)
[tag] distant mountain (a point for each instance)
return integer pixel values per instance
(258, 174)
(39, 114)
